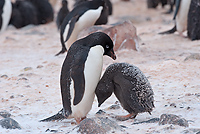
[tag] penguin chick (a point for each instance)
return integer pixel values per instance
(180, 17)
(82, 16)
(80, 74)
(5, 14)
(129, 85)
(62, 13)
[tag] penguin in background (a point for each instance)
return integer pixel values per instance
(130, 86)
(62, 13)
(82, 16)
(44, 9)
(180, 17)
(193, 25)
(23, 14)
(80, 74)
(5, 14)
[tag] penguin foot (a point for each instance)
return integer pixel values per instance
(126, 117)
(58, 116)
(169, 31)
(61, 52)
(78, 120)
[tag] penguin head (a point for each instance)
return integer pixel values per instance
(64, 3)
(104, 89)
(100, 38)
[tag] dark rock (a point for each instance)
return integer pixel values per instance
(9, 123)
(193, 56)
(4, 76)
(54, 131)
(100, 112)
(116, 106)
(5, 114)
(98, 125)
(153, 120)
(173, 119)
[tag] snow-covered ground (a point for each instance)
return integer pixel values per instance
(29, 73)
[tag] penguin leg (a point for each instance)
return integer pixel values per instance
(78, 120)
(169, 31)
(62, 51)
(126, 117)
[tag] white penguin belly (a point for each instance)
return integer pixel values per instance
(181, 18)
(86, 20)
(92, 73)
(7, 10)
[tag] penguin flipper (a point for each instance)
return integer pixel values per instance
(58, 116)
(71, 26)
(169, 31)
(178, 2)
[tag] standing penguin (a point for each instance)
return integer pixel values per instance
(180, 17)
(80, 74)
(82, 16)
(129, 85)
(5, 14)
(62, 13)
(193, 27)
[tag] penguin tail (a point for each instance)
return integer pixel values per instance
(61, 52)
(56, 117)
(169, 31)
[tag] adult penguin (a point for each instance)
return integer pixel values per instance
(130, 86)
(80, 74)
(193, 27)
(5, 14)
(82, 16)
(62, 13)
(180, 17)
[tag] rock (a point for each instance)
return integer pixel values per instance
(100, 112)
(5, 114)
(9, 123)
(153, 120)
(116, 106)
(98, 125)
(4, 76)
(193, 56)
(123, 35)
(27, 68)
(172, 119)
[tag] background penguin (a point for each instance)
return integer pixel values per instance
(45, 11)
(5, 14)
(180, 16)
(80, 74)
(62, 13)
(193, 25)
(82, 16)
(129, 85)
(23, 14)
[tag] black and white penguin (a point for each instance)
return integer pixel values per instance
(5, 14)
(82, 16)
(23, 14)
(62, 13)
(44, 9)
(193, 25)
(80, 74)
(130, 86)
(180, 17)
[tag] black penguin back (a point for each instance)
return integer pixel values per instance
(131, 87)
(1, 11)
(62, 13)
(45, 11)
(193, 25)
(23, 13)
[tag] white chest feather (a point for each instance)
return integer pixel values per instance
(86, 20)
(92, 73)
(7, 10)
(181, 18)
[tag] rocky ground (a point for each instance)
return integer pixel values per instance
(29, 74)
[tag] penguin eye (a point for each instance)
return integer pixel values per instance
(107, 46)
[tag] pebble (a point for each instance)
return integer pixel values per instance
(9, 123)
(27, 68)
(5, 114)
(173, 119)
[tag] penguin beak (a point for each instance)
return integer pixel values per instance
(112, 54)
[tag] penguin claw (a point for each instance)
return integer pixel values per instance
(126, 117)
